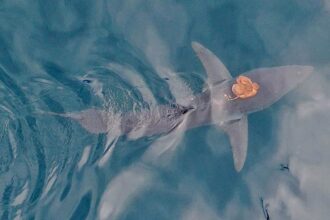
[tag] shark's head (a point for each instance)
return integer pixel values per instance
(273, 84)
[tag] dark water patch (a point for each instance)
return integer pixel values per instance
(156, 203)
(41, 176)
(241, 47)
(66, 191)
(17, 129)
(76, 86)
(128, 152)
(98, 148)
(6, 198)
(6, 59)
(13, 87)
(262, 134)
(55, 106)
(82, 210)
(220, 183)
(32, 123)
(129, 56)
(6, 153)
(71, 167)
(31, 217)
(59, 16)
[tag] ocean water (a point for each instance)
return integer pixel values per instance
(66, 56)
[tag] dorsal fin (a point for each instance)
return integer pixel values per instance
(215, 69)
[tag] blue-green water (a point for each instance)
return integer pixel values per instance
(67, 56)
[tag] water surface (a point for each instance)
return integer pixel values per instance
(67, 56)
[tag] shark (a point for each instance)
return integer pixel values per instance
(217, 104)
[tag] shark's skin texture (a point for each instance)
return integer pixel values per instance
(207, 108)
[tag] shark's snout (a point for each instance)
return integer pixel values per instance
(304, 72)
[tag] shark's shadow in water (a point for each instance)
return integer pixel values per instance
(212, 106)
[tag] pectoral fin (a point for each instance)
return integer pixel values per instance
(237, 132)
(215, 69)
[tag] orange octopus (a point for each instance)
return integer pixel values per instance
(244, 88)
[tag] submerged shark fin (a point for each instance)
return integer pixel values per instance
(93, 120)
(215, 69)
(237, 132)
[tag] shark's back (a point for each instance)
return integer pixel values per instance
(158, 120)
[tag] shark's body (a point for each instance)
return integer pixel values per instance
(209, 107)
